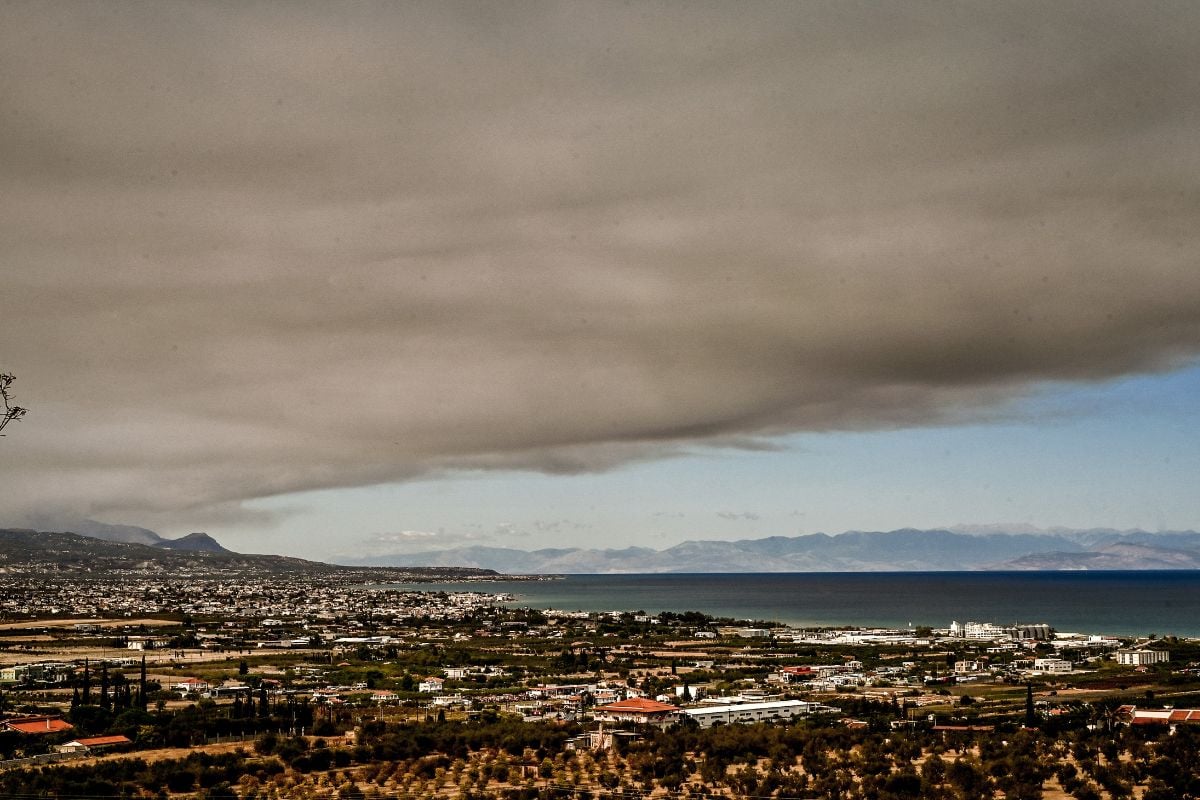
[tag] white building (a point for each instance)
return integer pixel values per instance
(977, 630)
(1142, 658)
(1051, 665)
(147, 643)
(753, 633)
(431, 684)
(188, 685)
(729, 713)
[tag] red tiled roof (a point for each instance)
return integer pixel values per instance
(38, 725)
(100, 741)
(1185, 715)
(639, 705)
(1161, 716)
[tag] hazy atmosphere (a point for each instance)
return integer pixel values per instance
(330, 279)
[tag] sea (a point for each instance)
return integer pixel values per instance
(1119, 603)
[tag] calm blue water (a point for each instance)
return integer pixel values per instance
(1134, 603)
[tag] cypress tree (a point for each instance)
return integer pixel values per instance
(1030, 714)
(141, 696)
(104, 699)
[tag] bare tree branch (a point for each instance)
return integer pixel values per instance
(11, 411)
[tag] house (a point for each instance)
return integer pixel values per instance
(147, 643)
(92, 744)
(605, 695)
(44, 672)
(601, 739)
(1051, 665)
(37, 725)
(794, 674)
(384, 696)
(640, 710)
(189, 685)
(431, 684)
(328, 696)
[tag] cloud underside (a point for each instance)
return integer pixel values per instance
(251, 250)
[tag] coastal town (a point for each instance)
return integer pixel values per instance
(425, 400)
(281, 672)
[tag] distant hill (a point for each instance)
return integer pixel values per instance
(1117, 555)
(854, 551)
(30, 552)
(193, 542)
(129, 534)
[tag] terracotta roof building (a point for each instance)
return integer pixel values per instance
(93, 743)
(36, 725)
(640, 710)
(1159, 716)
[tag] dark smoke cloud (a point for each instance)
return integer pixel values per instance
(252, 249)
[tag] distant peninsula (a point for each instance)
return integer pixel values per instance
(31, 552)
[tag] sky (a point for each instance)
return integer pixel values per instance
(341, 279)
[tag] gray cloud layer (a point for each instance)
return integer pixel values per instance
(256, 248)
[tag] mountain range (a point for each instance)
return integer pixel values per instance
(29, 552)
(962, 548)
(93, 545)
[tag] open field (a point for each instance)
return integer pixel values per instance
(101, 623)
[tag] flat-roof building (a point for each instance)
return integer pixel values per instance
(730, 713)
(1142, 657)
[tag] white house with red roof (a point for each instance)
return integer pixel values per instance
(93, 743)
(639, 710)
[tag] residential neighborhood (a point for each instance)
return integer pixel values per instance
(106, 669)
